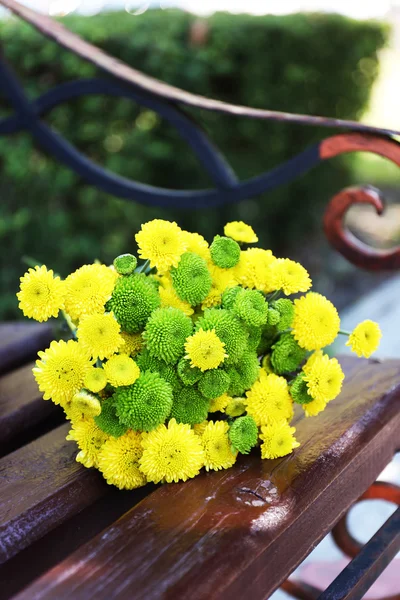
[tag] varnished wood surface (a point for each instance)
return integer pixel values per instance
(22, 406)
(55, 546)
(240, 532)
(20, 341)
(57, 32)
(41, 486)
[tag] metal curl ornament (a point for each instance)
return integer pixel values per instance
(339, 236)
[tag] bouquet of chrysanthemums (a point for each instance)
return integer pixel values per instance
(194, 357)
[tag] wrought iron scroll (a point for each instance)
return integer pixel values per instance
(368, 562)
(167, 101)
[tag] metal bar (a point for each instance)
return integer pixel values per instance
(228, 190)
(56, 31)
(365, 568)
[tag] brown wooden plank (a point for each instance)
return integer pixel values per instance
(42, 486)
(240, 532)
(22, 407)
(30, 563)
(57, 32)
(20, 341)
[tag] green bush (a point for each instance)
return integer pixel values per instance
(317, 64)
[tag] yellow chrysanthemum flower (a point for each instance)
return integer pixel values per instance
(266, 365)
(269, 399)
(197, 244)
(221, 280)
(289, 276)
(171, 453)
(119, 461)
(365, 338)
(61, 370)
(239, 231)
(132, 343)
(100, 335)
(278, 439)
(316, 355)
(90, 439)
(162, 243)
(169, 298)
(95, 379)
(199, 428)
(236, 407)
(88, 289)
(220, 403)
(82, 405)
(316, 321)
(312, 409)
(254, 269)
(217, 447)
(121, 369)
(324, 378)
(205, 350)
(41, 295)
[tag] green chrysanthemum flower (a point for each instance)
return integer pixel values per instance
(133, 300)
(225, 252)
(125, 264)
(286, 354)
(274, 316)
(250, 305)
(268, 335)
(229, 296)
(189, 406)
(230, 330)
(243, 374)
(299, 390)
(145, 404)
(285, 308)
(147, 362)
(153, 281)
(214, 383)
(191, 278)
(189, 375)
(108, 421)
(169, 374)
(166, 332)
(236, 385)
(243, 434)
(254, 338)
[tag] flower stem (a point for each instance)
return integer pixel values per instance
(143, 267)
(274, 296)
(70, 324)
(344, 332)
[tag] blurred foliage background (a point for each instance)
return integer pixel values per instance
(306, 63)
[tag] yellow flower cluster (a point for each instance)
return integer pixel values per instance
(190, 359)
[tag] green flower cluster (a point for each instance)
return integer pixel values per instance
(170, 384)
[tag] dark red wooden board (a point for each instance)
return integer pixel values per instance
(20, 341)
(242, 531)
(42, 486)
(22, 407)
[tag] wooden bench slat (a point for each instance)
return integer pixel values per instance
(20, 341)
(41, 486)
(58, 544)
(21, 405)
(241, 531)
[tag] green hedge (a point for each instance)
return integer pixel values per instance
(319, 64)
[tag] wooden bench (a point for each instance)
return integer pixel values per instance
(64, 533)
